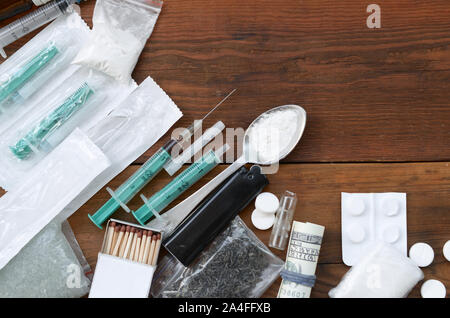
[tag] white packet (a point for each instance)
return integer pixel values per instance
(41, 64)
(127, 132)
(48, 188)
(121, 29)
(382, 273)
(50, 265)
(83, 99)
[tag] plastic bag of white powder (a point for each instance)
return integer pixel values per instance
(121, 29)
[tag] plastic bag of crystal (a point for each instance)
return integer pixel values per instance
(51, 265)
(236, 265)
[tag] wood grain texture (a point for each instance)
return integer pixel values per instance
(371, 95)
(319, 188)
(376, 96)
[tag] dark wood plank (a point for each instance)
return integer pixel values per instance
(371, 95)
(319, 187)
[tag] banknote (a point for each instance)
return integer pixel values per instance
(302, 257)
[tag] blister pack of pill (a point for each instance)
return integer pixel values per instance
(371, 217)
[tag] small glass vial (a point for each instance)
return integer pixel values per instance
(10, 8)
(283, 220)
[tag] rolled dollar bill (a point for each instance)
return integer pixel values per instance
(301, 260)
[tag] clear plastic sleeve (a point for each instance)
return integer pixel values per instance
(121, 29)
(48, 188)
(84, 99)
(51, 265)
(382, 273)
(42, 63)
(236, 265)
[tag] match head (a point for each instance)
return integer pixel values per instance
(112, 224)
(144, 233)
(117, 228)
(123, 228)
(159, 236)
(150, 233)
(133, 230)
(139, 233)
(154, 237)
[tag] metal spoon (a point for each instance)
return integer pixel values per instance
(173, 217)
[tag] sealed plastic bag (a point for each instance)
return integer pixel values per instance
(46, 191)
(121, 29)
(127, 132)
(51, 265)
(382, 273)
(39, 66)
(84, 99)
(236, 265)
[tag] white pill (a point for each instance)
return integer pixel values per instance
(390, 207)
(262, 220)
(391, 234)
(267, 202)
(446, 250)
(422, 254)
(356, 233)
(433, 288)
(356, 206)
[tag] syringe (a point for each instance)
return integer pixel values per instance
(144, 174)
(33, 21)
(160, 200)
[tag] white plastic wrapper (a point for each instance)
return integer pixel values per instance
(236, 265)
(51, 265)
(46, 191)
(121, 30)
(85, 98)
(127, 132)
(39, 66)
(382, 273)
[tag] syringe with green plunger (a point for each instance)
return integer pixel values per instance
(160, 200)
(143, 175)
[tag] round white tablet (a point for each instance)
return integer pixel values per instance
(356, 233)
(422, 254)
(391, 207)
(267, 202)
(391, 234)
(446, 250)
(356, 206)
(262, 220)
(433, 288)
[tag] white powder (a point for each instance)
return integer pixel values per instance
(272, 135)
(112, 51)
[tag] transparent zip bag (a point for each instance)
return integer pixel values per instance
(82, 100)
(383, 272)
(235, 265)
(120, 31)
(51, 265)
(127, 132)
(40, 65)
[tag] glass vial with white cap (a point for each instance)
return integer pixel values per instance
(283, 220)
(10, 8)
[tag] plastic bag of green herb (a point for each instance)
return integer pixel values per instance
(236, 265)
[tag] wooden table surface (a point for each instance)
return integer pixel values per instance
(377, 103)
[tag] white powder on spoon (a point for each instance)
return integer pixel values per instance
(272, 134)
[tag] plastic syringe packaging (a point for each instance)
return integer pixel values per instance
(86, 97)
(235, 265)
(48, 188)
(39, 66)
